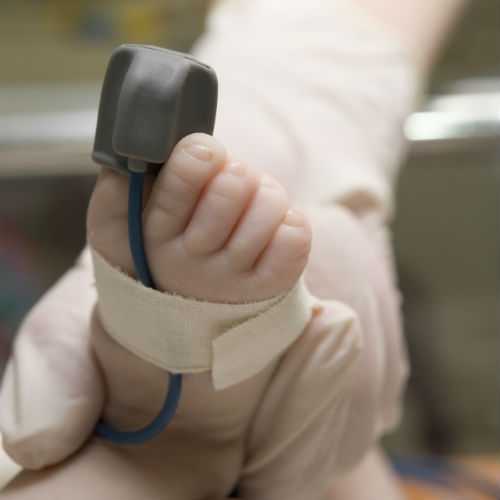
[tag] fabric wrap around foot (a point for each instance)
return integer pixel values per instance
(180, 335)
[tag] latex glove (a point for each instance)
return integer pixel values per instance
(316, 100)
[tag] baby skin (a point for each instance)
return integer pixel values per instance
(214, 230)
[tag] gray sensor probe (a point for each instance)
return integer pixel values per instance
(151, 98)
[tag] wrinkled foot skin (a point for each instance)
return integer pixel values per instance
(214, 229)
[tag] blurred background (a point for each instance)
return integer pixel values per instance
(53, 56)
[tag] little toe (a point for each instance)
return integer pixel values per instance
(219, 209)
(192, 165)
(286, 256)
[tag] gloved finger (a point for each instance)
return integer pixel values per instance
(51, 394)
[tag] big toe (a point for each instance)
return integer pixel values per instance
(107, 228)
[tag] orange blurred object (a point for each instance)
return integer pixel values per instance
(474, 476)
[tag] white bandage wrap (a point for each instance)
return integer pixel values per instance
(233, 341)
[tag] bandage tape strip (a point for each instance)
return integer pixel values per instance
(182, 335)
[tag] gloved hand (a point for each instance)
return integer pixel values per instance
(326, 125)
(261, 250)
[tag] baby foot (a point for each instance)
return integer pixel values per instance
(214, 229)
(217, 231)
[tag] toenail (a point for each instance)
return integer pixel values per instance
(294, 218)
(236, 168)
(199, 151)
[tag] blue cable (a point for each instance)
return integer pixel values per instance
(135, 234)
(143, 272)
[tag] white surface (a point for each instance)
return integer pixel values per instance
(23, 129)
